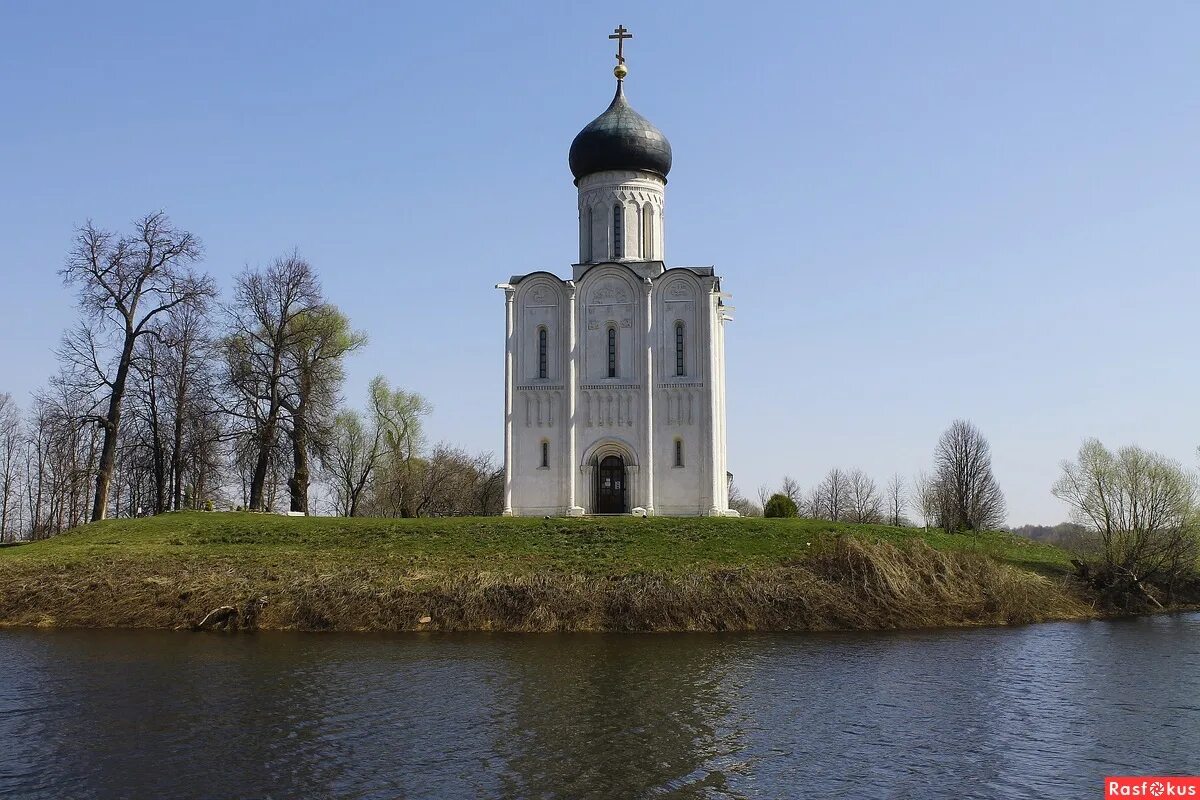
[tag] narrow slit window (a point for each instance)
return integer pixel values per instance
(546, 454)
(588, 233)
(641, 223)
(612, 352)
(543, 354)
(679, 452)
(618, 239)
(647, 233)
(680, 352)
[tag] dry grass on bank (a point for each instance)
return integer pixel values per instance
(837, 580)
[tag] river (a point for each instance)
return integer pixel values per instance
(1037, 711)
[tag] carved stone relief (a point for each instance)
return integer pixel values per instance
(609, 293)
(679, 290)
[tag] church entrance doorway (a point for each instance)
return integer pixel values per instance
(610, 486)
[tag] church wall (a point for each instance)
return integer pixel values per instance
(680, 400)
(610, 413)
(610, 301)
(539, 404)
(610, 410)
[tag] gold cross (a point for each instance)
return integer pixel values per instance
(620, 33)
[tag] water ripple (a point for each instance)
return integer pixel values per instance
(1005, 713)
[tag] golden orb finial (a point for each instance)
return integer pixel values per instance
(620, 70)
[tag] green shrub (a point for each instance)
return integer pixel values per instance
(780, 505)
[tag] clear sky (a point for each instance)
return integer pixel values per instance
(923, 210)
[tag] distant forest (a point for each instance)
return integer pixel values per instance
(1068, 535)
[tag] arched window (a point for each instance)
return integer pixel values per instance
(679, 452)
(680, 353)
(543, 354)
(647, 232)
(618, 239)
(545, 454)
(612, 352)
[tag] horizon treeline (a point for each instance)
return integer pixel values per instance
(961, 492)
(1135, 514)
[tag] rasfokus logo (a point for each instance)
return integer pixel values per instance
(1151, 786)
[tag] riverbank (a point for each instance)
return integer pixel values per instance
(612, 574)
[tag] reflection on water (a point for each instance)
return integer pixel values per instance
(1036, 711)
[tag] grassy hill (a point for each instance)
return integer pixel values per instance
(530, 574)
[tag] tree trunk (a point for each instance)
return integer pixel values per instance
(177, 461)
(267, 435)
(259, 479)
(181, 390)
(298, 483)
(158, 449)
(108, 453)
(112, 425)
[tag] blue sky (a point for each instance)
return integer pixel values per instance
(923, 210)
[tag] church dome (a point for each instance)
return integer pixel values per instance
(620, 139)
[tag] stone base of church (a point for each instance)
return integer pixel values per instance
(636, 511)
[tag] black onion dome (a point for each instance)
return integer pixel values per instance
(620, 138)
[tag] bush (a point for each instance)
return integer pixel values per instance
(780, 505)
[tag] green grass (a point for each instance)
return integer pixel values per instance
(512, 546)
(322, 573)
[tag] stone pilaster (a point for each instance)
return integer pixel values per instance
(509, 328)
(573, 508)
(648, 384)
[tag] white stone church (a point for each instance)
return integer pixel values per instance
(614, 380)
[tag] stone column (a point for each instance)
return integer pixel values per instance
(648, 393)
(572, 475)
(509, 329)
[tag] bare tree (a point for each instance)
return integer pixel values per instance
(149, 433)
(970, 497)
(830, 499)
(10, 447)
(896, 500)
(489, 486)
(863, 501)
(1142, 506)
(188, 386)
(927, 497)
(61, 453)
(791, 488)
(764, 494)
(742, 504)
(124, 284)
(265, 307)
(205, 457)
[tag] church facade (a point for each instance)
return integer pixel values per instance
(614, 395)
